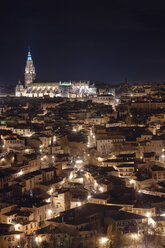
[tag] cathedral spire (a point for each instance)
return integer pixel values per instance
(29, 70)
(29, 57)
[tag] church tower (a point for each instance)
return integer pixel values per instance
(29, 70)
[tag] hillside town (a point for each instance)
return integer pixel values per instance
(84, 172)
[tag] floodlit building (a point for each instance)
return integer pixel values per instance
(71, 89)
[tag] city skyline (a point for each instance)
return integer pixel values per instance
(82, 124)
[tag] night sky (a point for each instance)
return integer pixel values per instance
(92, 40)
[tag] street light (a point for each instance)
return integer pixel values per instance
(104, 241)
(38, 239)
(131, 181)
(50, 212)
(78, 204)
(148, 214)
(89, 197)
(79, 161)
(101, 189)
(16, 227)
(152, 222)
(20, 173)
(18, 237)
(50, 191)
(70, 176)
(135, 236)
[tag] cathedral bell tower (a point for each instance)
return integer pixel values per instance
(29, 70)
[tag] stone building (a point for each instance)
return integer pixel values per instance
(71, 89)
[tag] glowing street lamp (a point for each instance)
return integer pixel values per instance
(16, 227)
(152, 222)
(131, 181)
(104, 241)
(20, 173)
(78, 204)
(95, 183)
(100, 159)
(79, 161)
(18, 237)
(37, 239)
(81, 180)
(28, 135)
(148, 214)
(89, 197)
(51, 191)
(50, 212)
(101, 189)
(71, 176)
(135, 236)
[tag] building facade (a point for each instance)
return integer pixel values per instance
(70, 89)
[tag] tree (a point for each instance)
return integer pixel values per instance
(151, 236)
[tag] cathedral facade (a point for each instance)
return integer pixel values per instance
(70, 89)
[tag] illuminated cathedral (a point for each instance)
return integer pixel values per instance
(70, 89)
